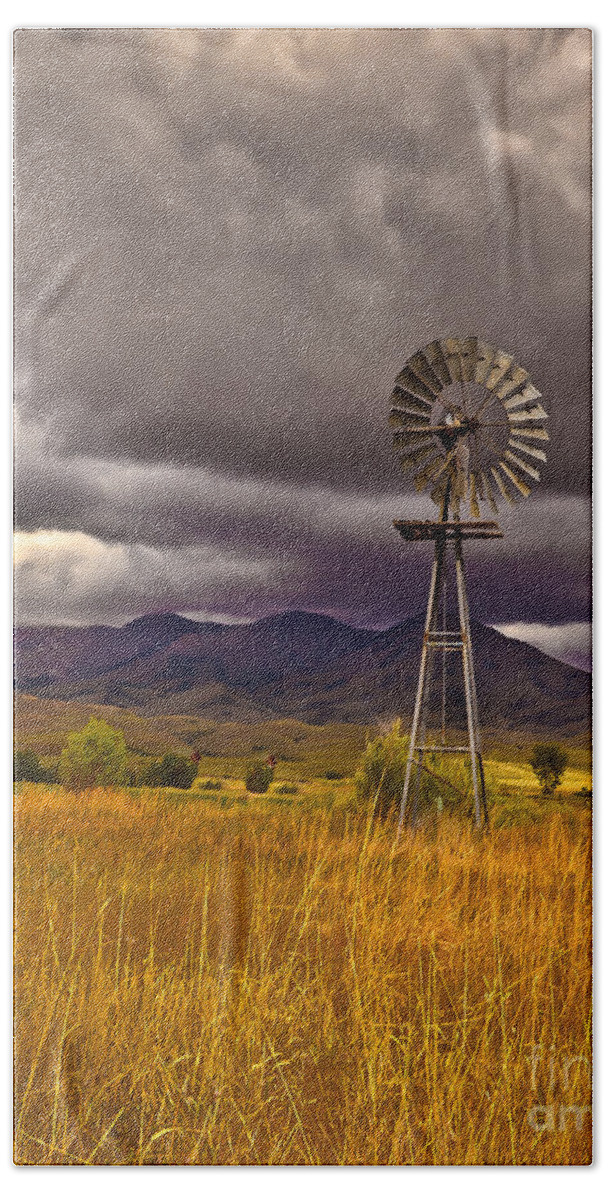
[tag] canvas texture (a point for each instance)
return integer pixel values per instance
(303, 802)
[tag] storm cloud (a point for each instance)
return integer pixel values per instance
(227, 244)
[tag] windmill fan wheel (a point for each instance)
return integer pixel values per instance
(468, 424)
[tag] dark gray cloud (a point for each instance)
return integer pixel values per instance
(194, 539)
(227, 244)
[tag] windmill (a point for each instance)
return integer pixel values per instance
(468, 424)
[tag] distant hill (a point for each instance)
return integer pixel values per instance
(47, 655)
(298, 664)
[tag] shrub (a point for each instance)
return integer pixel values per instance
(148, 774)
(445, 783)
(548, 761)
(50, 774)
(447, 786)
(96, 756)
(334, 775)
(259, 777)
(173, 771)
(27, 766)
(382, 770)
(211, 785)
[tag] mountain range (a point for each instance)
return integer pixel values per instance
(295, 664)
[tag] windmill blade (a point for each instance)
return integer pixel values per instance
(453, 462)
(424, 477)
(528, 393)
(409, 415)
(530, 414)
(420, 430)
(418, 364)
(436, 469)
(434, 356)
(463, 455)
(499, 368)
(451, 353)
(485, 358)
(411, 383)
(473, 500)
(506, 495)
(403, 440)
(402, 396)
(413, 436)
(469, 358)
(438, 493)
(511, 382)
(489, 494)
(397, 417)
(477, 468)
(532, 451)
(400, 418)
(449, 462)
(536, 435)
(403, 399)
(459, 483)
(519, 483)
(523, 466)
(414, 458)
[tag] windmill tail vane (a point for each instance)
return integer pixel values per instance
(469, 428)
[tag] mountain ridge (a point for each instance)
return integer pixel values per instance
(297, 664)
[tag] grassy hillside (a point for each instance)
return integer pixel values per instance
(303, 751)
(205, 981)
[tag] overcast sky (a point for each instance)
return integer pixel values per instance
(227, 245)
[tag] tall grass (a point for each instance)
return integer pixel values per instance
(273, 985)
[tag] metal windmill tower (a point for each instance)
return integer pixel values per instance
(467, 421)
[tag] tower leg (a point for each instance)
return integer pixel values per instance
(418, 730)
(484, 802)
(470, 691)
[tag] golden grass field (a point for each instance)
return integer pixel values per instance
(207, 981)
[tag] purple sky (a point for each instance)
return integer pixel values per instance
(227, 244)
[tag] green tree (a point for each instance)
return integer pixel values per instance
(548, 761)
(96, 756)
(259, 777)
(382, 770)
(27, 766)
(172, 771)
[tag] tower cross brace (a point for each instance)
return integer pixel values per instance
(438, 638)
